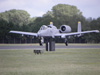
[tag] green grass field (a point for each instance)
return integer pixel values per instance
(60, 62)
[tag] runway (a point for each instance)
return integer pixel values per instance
(5, 47)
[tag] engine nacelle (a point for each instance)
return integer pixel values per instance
(65, 29)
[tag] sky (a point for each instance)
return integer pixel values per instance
(36, 8)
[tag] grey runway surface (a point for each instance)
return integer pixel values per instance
(43, 47)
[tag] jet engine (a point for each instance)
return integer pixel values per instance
(65, 29)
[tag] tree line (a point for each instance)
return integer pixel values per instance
(60, 14)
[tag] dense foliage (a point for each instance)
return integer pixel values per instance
(59, 15)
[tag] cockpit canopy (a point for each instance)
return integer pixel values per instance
(43, 27)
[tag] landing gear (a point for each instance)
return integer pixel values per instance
(41, 40)
(66, 42)
(41, 44)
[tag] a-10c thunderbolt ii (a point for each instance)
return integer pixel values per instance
(51, 31)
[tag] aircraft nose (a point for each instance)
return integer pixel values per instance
(40, 33)
(44, 33)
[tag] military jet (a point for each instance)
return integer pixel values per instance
(51, 31)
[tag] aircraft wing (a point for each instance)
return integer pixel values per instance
(75, 33)
(24, 33)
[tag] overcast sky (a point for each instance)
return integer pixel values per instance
(89, 8)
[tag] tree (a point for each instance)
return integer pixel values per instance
(64, 14)
(17, 17)
(65, 10)
(95, 25)
(4, 28)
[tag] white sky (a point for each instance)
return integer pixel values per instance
(89, 8)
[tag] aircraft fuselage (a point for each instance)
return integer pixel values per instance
(47, 31)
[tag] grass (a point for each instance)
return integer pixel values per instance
(60, 62)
